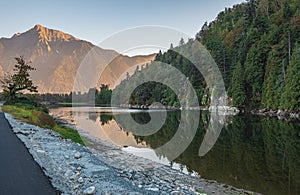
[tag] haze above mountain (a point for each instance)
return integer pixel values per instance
(57, 56)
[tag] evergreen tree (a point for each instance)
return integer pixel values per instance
(181, 42)
(269, 90)
(291, 95)
(237, 89)
(19, 81)
(103, 97)
(254, 71)
(171, 46)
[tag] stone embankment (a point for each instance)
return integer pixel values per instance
(281, 114)
(103, 168)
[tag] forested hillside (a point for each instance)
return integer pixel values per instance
(257, 47)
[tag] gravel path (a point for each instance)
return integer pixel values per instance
(106, 169)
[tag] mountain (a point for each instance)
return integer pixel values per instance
(1, 72)
(57, 56)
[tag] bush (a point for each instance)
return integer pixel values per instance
(27, 103)
(39, 118)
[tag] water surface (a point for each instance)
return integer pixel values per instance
(256, 153)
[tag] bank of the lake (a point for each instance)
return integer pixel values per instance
(280, 114)
(252, 152)
(75, 169)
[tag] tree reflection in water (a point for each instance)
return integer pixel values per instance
(252, 152)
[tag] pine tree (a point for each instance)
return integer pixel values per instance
(291, 95)
(237, 89)
(181, 42)
(20, 81)
(269, 90)
(254, 71)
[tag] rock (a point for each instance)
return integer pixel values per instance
(75, 176)
(148, 167)
(26, 133)
(155, 178)
(68, 173)
(73, 168)
(41, 151)
(153, 189)
(90, 190)
(77, 155)
(75, 187)
(80, 180)
(292, 115)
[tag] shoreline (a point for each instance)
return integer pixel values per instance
(129, 165)
(228, 110)
(103, 167)
(280, 114)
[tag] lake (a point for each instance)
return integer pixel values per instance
(256, 153)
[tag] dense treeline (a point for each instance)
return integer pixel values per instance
(178, 57)
(255, 45)
(99, 97)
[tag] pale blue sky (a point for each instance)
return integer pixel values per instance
(93, 20)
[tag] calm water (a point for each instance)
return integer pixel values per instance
(256, 153)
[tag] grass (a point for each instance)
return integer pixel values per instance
(200, 192)
(37, 116)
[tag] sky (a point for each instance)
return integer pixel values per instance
(94, 20)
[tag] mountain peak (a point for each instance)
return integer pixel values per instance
(49, 35)
(38, 27)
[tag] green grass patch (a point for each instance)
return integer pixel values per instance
(36, 116)
(68, 133)
(200, 192)
(72, 103)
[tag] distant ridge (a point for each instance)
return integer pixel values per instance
(57, 56)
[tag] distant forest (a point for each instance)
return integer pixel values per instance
(256, 46)
(99, 97)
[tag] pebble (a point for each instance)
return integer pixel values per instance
(68, 173)
(26, 133)
(75, 187)
(77, 155)
(90, 190)
(41, 151)
(153, 189)
(80, 180)
(74, 176)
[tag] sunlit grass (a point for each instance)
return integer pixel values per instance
(42, 119)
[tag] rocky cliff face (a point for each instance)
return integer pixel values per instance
(57, 56)
(1, 72)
